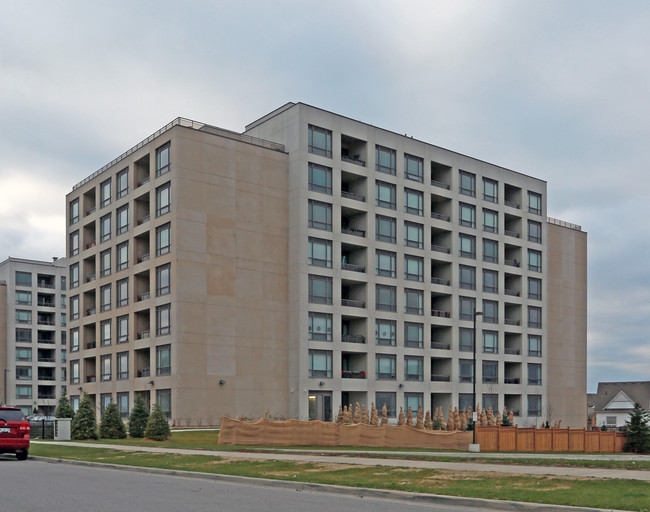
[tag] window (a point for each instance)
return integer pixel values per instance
(414, 235)
(64, 319)
(74, 211)
(164, 400)
(413, 202)
(464, 401)
(385, 263)
(466, 306)
(413, 268)
(465, 370)
(23, 392)
(490, 281)
(467, 245)
(122, 221)
(413, 368)
(163, 239)
(164, 360)
(74, 340)
(320, 252)
(535, 203)
(490, 372)
(385, 332)
(490, 251)
(105, 363)
(105, 263)
(63, 283)
(535, 231)
(74, 243)
(74, 307)
(163, 159)
(74, 372)
(385, 229)
(413, 168)
(490, 190)
(23, 298)
(534, 405)
(320, 363)
(467, 215)
(105, 297)
(163, 320)
(490, 221)
(163, 280)
(122, 359)
(23, 335)
(491, 400)
(105, 193)
(320, 289)
(320, 215)
(414, 401)
(385, 195)
(466, 339)
(122, 183)
(534, 260)
(123, 405)
(122, 292)
(74, 275)
(490, 342)
(413, 335)
(23, 317)
(105, 228)
(163, 199)
(105, 332)
(534, 317)
(320, 326)
(490, 311)
(534, 374)
(23, 354)
(64, 356)
(320, 141)
(387, 399)
(413, 301)
(104, 401)
(534, 288)
(385, 367)
(467, 185)
(23, 373)
(385, 297)
(320, 178)
(122, 328)
(467, 277)
(385, 160)
(23, 279)
(534, 345)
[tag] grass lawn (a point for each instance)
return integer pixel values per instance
(589, 492)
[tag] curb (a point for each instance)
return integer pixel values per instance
(359, 492)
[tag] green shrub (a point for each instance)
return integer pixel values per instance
(638, 431)
(63, 407)
(84, 424)
(111, 425)
(157, 426)
(138, 418)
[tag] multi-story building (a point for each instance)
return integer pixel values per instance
(32, 333)
(309, 262)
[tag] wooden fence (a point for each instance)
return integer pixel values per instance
(515, 439)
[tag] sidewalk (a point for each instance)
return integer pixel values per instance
(364, 461)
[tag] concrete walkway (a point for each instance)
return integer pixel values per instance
(314, 456)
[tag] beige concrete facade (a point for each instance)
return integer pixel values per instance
(567, 320)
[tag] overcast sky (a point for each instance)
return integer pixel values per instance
(555, 89)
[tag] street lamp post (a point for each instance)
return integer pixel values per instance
(5, 388)
(474, 408)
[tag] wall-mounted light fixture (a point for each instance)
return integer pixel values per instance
(222, 382)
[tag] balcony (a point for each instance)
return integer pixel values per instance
(441, 175)
(440, 248)
(513, 293)
(90, 345)
(441, 314)
(353, 338)
(440, 346)
(512, 263)
(353, 374)
(91, 378)
(353, 150)
(351, 303)
(143, 335)
(353, 267)
(511, 351)
(145, 372)
(514, 234)
(440, 184)
(512, 204)
(443, 282)
(510, 321)
(512, 380)
(352, 195)
(440, 378)
(353, 232)
(143, 258)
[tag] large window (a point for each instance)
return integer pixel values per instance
(385, 365)
(490, 342)
(385, 297)
(535, 231)
(320, 178)
(105, 228)
(467, 277)
(74, 372)
(467, 215)
(320, 141)
(385, 263)
(385, 160)
(414, 401)
(534, 405)
(122, 183)
(320, 363)
(385, 195)
(490, 312)
(122, 365)
(122, 328)
(163, 239)
(535, 203)
(23, 278)
(23, 335)
(320, 215)
(467, 246)
(465, 339)
(467, 183)
(534, 374)
(490, 400)
(385, 229)
(164, 360)
(74, 211)
(413, 234)
(105, 263)
(385, 332)
(163, 280)
(320, 252)
(23, 373)
(74, 307)
(388, 399)
(105, 297)
(490, 251)
(23, 298)
(534, 288)
(105, 364)
(465, 370)
(105, 193)
(23, 316)
(490, 190)
(413, 335)
(74, 243)
(123, 405)
(413, 368)
(534, 345)
(466, 306)
(413, 301)
(163, 199)
(105, 332)
(164, 400)
(413, 202)
(490, 281)
(163, 159)
(23, 354)
(74, 275)
(413, 268)
(320, 289)
(490, 372)
(535, 317)
(23, 392)
(413, 168)
(122, 292)
(163, 320)
(122, 220)
(74, 339)
(490, 221)
(320, 326)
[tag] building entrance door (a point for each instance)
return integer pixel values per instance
(320, 405)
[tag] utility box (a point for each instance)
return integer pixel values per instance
(62, 429)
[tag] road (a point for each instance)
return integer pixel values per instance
(34, 486)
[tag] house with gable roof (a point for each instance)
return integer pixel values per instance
(614, 401)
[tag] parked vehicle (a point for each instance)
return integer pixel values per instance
(14, 432)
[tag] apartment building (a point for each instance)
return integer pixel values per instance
(32, 333)
(311, 261)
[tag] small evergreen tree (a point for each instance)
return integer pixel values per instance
(111, 425)
(157, 426)
(638, 431)
(63, 407)
(138, 418)
(84, 424)
(505, 421)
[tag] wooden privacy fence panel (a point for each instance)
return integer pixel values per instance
(515, 439)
